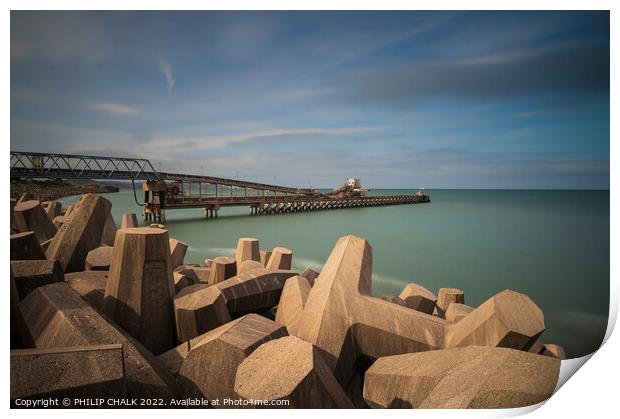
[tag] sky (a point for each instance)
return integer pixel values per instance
(398, 99)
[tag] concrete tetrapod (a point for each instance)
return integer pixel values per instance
(55, 316)
(86, 371)
(30, 216)
(198, 309)
(265, 255)
(471, 377)
(281, 258)
(447, 296)
(342, 319)
(81, 233)
(53, 209)
(90, 285)
(292, 301)
(418, 298)
(247, 249)
(109, 230)
(210, 366)
(25, 246)
(222, 268)
(177, 252)
(310, 274)
(129, 221)
(457, 311)
(99, 259)
(30, 274)
(248, 265)
(140, 290)
(290, 369)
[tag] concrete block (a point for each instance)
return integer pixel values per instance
(207, 262)
(222, 268)
(264, 255)
(281, 258)
(445, 297)
(90, 285)
(109, 230)
(26, 196)
(418, 298)
(292, 302)
(30, 216)
(393, 299)
(139, 291)
(247, 249)
(248, 265)
(343, 319)
(83, 371)
(129, 221)
(472, 377)
(198, 309)
(53, 209)
(556, 351)
(59, 221)
(99, 259)
(211, 364)
(254, 291)
(456, 311)
(55, 316)
(181, 281)
(81, 233)
(173, 359)
(177, 252)
(310, 274)
(290, 369)
(25, 246)
(30, 274)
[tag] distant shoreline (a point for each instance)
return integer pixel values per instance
(51, 190)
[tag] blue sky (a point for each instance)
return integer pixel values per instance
(399, 99)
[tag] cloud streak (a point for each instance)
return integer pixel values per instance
(114, 108)
(166, 70)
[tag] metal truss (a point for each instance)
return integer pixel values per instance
(69, 166)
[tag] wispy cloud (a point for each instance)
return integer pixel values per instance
(166, 70)
(114, 108)
(213, 142)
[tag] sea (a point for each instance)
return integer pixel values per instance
(552, 245)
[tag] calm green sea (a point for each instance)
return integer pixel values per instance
(550, 245)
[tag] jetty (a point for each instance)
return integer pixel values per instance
(166, 191)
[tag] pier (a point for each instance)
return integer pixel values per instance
(166, 191)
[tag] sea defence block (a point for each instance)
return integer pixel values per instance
(139, 291)
(393, 299)
(445, 297)
(81, 233)
(292, 302)
(53, 209)
(109, 230)
(26, 196)
(129, 221)
(247, 249)
(281, 258)
(265, 255)
(181, 281)
(418, 298)
(99, 259)
(472, 377)
(210, 366)
(59, 221)
(556, 351)
(83, 371)
(342, 319)
(248, 265)
(254, 291)
(90, 285)
(290, 369)
(222, 268)
(310, 274)
(173, 359)
(25, 246)
(30, 274)
(198, 309)
(30, 216)
(207, 262)
(456, 311)
(177, 252)
(55, 316)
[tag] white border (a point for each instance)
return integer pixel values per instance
(591, 393)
